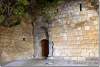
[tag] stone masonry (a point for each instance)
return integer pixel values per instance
(16, 42)
(74, 32)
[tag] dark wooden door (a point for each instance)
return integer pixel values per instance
(45, 47)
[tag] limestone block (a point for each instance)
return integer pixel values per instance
(81, 58)
(74, 58)
(91, 54)
(57, 30)
(76, 52)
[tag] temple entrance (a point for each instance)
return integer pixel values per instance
(45, 48)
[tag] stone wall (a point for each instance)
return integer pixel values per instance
(39, 34)
(16, 42)
(75, 32)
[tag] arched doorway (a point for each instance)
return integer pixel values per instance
(41, 34)
(45, 48)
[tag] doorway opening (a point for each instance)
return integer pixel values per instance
(45, 48)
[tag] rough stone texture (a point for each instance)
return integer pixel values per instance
(12, 45)
(39, 34)
(74, 32)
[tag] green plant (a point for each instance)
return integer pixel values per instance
(49, 9)
(9, 8)
(2, 18)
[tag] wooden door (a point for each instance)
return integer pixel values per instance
(45, 47)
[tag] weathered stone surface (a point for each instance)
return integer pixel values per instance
(73, 32)
(16, 42)
(79, 41)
